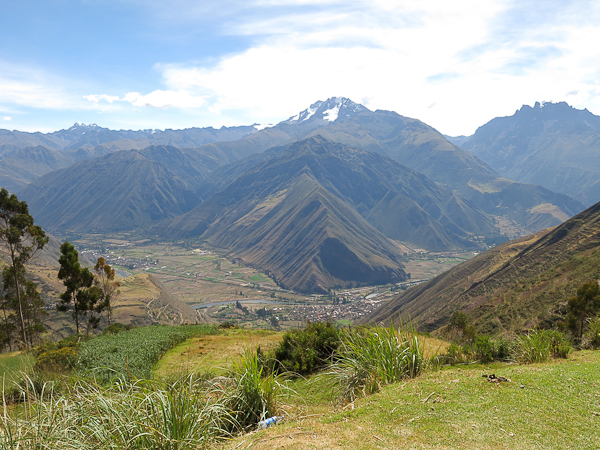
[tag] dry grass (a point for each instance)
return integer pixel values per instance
(213, 353)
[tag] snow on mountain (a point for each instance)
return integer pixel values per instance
(262, 127)
(329, 110)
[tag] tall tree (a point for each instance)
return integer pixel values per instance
(78, 282)
(105, 281)
(583, 306)
(22, 239)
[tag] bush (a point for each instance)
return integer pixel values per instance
(115, 328)
(61, 360)
(484, 349)
(58, 357)
(255, 392)
(305, 351)
(593, 334)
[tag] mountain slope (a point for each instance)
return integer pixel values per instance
(18, 169)
(553, 145)
(120, 191)
(283, 217)
(420, 147)
(513, 286)
(314, 199)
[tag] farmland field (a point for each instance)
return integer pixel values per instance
(133, 353)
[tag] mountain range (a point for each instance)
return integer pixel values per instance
(317, 215)
(552, 144)
(350, 181)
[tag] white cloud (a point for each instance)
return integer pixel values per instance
(97, 98)
(7, 118)
(155, 99)
(162, 99)
(454, 65)
(447, 68)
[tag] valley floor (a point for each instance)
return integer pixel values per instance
(213, 283)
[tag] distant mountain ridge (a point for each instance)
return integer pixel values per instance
(90, 136)
(552, 144)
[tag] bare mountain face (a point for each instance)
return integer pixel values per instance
(552, 144)
(413, 144)
(514, 286)
(120, 191)
(296, 215)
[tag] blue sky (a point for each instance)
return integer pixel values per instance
(137, 64)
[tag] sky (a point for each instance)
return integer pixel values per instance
(140, 64)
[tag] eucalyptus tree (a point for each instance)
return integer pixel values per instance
(80, 296)
(21, 303)
(105, 280)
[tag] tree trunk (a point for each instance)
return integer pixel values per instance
(18, 294)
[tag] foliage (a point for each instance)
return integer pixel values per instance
(80, 295)
(484, 349)
(305, 351)
(593, 333)
(255, 393)
(124, 415)
(115, 328)
(20, 303)
(56, 361)
(582, 307)
(188, 414)
(459, 328)
(57, 357)
(104, 279)
(539, 345)
(132, 354)
(371, 357)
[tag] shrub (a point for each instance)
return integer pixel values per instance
(484, 349)
(58, 361)
(115, 328)
(593, 334)
(255, 391)
(560, 344)
(305, 351)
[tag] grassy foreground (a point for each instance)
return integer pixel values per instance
(545, 406)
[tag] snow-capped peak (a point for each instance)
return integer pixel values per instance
(79, 126)
(329, 110)
(259, 127)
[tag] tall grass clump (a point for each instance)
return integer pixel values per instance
(189, 414)
(538, 345)
(255, 391)
(142, 415)
(371, 357)
(36, 425)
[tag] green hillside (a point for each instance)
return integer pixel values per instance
(514, 286)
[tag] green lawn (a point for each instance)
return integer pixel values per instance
(13, 364)
(554, 405)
